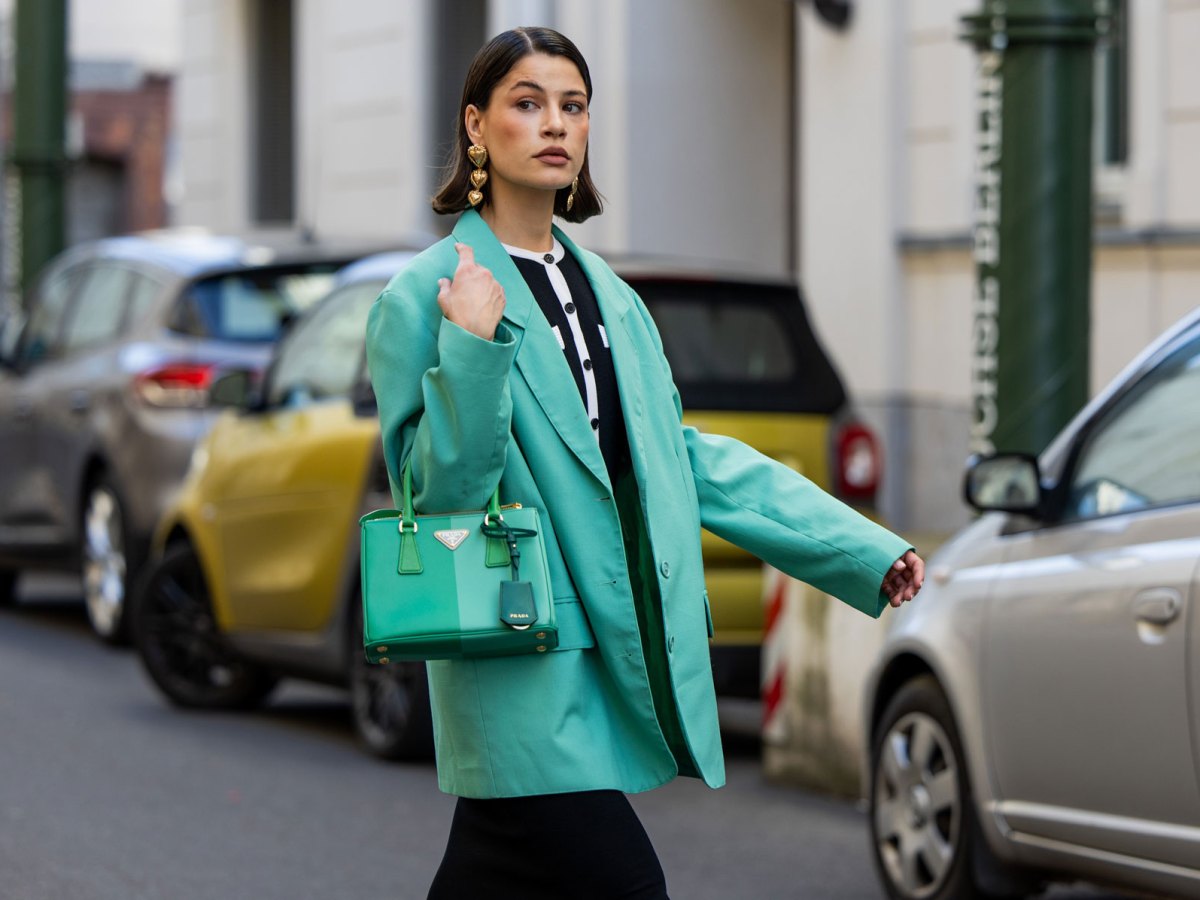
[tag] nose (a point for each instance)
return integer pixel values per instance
(554, 124)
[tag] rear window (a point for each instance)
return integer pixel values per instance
(741, 347)
(250, 305)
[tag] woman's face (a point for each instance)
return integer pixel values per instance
(535, 126)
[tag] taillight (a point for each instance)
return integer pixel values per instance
(858, 463)
(179, 385)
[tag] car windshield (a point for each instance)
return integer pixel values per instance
(250, 305)
(740, 346)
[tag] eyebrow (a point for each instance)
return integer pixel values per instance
(534, 86)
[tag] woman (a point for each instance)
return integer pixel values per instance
(507, 355)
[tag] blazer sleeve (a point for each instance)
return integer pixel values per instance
(443, 398)
(781, 517)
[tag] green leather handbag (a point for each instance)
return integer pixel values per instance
(455, 585)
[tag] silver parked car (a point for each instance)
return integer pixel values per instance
(104, 391)
(1035, 715)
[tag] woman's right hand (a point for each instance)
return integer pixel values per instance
(474, 300)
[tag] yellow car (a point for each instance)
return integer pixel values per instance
(255, 568)
(256, 561)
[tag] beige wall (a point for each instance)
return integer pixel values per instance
(362, 108)
(148, 33)
(210, 116)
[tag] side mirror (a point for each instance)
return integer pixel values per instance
(362, 397)
(1006, 482)
(237, 389)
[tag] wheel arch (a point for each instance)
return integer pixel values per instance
(905, 666)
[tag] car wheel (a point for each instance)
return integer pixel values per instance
(105, 567)
(390, 702)
(180, 644)
(923, 823)
(8, 587)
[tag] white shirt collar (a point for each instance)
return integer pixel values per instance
(554, 257)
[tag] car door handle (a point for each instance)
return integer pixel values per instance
(1158, 606)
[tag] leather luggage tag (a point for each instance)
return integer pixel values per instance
(517, 608)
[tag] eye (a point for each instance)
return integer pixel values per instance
(574, 107)
(526, 105)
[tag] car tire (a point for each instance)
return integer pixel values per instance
(105, 564)
(925, 836)
(180, 644)
(390, 702)
(8, 587)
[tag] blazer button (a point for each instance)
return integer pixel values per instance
(665, 568)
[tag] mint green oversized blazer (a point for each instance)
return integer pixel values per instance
(583, 716)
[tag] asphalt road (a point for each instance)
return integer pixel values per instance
(106, 793)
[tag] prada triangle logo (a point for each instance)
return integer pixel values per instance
(452, 537)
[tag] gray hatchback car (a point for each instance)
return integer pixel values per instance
(1035, 716)
(104, 391)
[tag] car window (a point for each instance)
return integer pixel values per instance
(98, 308)
(141, 298)
(741, 347)
(41, 336)
(252, 305)
(321, 356)
(1146, 450)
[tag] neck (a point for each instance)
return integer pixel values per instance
(521, 219)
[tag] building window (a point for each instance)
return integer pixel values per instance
(272, 110)
(1112, 84)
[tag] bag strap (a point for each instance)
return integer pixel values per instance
(407, 516)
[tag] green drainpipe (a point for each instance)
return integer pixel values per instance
(38, 152)
(1033, 226)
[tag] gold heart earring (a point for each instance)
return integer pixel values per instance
(478, 156)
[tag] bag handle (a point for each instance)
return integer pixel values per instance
(407, 516)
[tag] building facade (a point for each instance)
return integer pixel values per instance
(750, 134)
(121, 57)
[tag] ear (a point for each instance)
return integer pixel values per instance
(473, 120)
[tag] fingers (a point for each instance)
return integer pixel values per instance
(472, 298)
(918, 568)
(466, 255)
(904, 579)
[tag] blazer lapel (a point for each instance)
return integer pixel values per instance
(539, 359)
(614, 310)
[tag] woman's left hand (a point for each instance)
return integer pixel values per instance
(904, 578)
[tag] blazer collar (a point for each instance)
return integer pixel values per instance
(518, 300)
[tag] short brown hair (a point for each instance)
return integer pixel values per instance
(493, 61)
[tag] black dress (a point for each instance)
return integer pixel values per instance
(589, 844)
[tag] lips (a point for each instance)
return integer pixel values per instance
(555, 156)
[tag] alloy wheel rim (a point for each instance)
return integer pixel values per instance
(104, 561)
(918, 808)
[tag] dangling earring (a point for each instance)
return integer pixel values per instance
(571, 196)
(478, 156)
